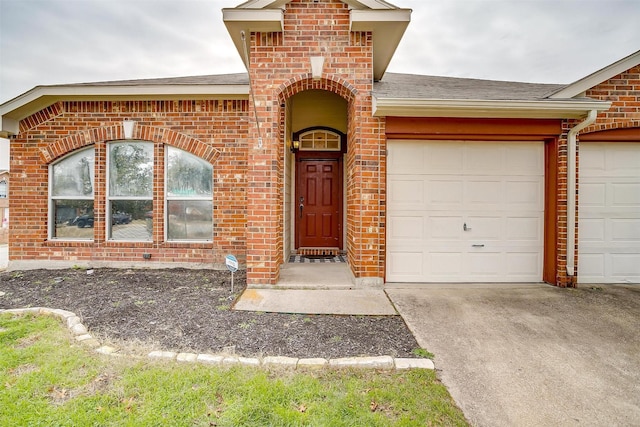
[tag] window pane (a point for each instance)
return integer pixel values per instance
(187, 175)
(73, 175)
(3, 189)
(131, 220)
(189, 220)
(73, 219)
(131, 169)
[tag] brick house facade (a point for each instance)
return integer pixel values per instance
(316, 69)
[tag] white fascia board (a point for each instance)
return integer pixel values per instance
(594, 79)
(41, 97)
(372, 4)
(269, 18)
(364, 20)
(369, 4)
(485, 108)
(262, 4)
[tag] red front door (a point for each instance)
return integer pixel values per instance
(319, 203)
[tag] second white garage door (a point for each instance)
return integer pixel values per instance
(465, 211)
(609, 226)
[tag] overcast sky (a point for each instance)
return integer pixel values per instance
(70, 41)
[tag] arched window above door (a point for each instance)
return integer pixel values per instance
(320, 140)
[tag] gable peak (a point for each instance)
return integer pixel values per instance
(353, 4)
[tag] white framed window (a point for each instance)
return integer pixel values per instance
(320, 140)
(130, 191)
(189, 197)
(129, 194)
(3, 189)
(71, 190)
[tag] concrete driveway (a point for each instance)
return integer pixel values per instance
(532, 355)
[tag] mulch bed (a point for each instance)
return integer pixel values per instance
(190, 310)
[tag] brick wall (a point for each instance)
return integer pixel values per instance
(623, 91)
(562, 279)
(213, 130)
(279, 68)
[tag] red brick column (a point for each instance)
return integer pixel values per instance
(280, 67)
(562, 278)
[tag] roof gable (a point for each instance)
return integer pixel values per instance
(594, 79)
(354, 4)
(386, 22)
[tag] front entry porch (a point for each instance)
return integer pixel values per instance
(325, 275)
(316, 288)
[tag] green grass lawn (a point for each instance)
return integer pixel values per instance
(48, 380)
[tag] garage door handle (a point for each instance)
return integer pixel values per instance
(477, 246)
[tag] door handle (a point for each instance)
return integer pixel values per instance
(477, 246)
(301, 205)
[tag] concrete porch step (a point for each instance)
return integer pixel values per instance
(317, 301)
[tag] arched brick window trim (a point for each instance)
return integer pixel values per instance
(299, 84)
(65, 145)
(42, 116)
(334, 84)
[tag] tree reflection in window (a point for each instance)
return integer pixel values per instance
(72, 183)
(131, 169)
(130, 196)
(189, 196)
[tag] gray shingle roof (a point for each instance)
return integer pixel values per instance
(214, 79)
(394, 85)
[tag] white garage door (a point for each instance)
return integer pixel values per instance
(609, 224)
(465, 211)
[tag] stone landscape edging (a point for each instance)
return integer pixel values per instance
(82, 335)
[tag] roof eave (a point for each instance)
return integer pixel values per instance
(356, 4)
(401, 107)
(11, 112)
(251, 20)
(387, 27)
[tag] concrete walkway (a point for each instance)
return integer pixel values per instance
(317, 301)
(532, 355)
(323, 288)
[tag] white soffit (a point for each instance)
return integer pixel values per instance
(594, 79)
(397, 107)
(388, 27)
(248, 20)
